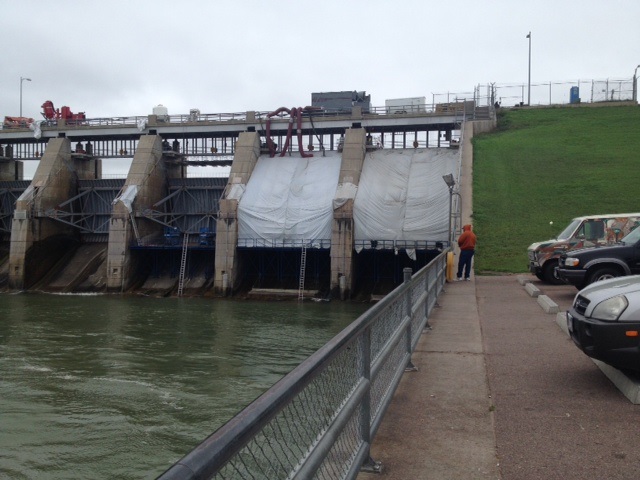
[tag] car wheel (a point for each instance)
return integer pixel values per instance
(604, 273)
(540, 275)
(549, 273)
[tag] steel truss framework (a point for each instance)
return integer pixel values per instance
(90, 210)
(191, 207)
(9, 192)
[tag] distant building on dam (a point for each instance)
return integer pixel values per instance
(311, 203)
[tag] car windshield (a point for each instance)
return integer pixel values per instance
(632, 237)
(567, 232)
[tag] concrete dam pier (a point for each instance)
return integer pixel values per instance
(326, 223)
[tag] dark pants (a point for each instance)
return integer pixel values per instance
(465, 263)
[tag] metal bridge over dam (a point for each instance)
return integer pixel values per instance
(337, 204)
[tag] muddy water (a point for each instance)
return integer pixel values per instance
(114, 387)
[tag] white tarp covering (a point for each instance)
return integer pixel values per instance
(142, 124)
(346, 191)
(127, 197)
(235, 191)
(289, 200)
(35, 128)
(402, 196)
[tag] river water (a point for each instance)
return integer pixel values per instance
(112, 387)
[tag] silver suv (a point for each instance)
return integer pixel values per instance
(604, 321)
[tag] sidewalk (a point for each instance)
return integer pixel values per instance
(501, 392)
(440, 422)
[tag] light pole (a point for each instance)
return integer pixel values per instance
(449, 180)
(22, 79)
(529, 84)
(635, 84)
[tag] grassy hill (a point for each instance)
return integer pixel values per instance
(547, 165)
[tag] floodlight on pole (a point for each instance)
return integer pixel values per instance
(22, 79)
(450, 181)
(529, 83)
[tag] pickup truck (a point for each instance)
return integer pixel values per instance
(582, 232)
(585, 266)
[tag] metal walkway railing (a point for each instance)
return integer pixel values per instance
(320, 419)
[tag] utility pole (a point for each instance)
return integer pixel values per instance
(22, 79)
(529, 89)
(635, 84)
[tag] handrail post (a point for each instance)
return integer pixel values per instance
(369, 465)
(406, 272)
(427, 298)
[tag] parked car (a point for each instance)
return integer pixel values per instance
(604, 322)
(583, 267)
(582, 232)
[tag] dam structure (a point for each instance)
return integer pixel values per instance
(303, 202)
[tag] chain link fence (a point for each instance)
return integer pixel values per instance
(319, 420)
(546, 93)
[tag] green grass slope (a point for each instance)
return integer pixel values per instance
(550, 165)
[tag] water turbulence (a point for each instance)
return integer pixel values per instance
(113, 387)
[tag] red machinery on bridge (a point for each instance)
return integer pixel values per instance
(295, 115)
(17, 122)
(64, 113)
(49, 113)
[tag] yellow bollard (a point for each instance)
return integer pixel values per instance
(450, 266)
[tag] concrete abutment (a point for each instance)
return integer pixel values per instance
(145, 185)
(342, 231)
(55, 180)
(227, 264)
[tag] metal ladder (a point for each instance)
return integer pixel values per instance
(183, 264)
(303, 267)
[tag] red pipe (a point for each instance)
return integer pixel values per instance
(270, 143)
(300, 146)
(289, 132)
(295, 114)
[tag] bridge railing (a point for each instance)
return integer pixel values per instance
(320, 419)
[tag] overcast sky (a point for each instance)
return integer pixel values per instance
(115, 58)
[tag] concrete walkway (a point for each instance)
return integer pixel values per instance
(440, 423)
(502, 392)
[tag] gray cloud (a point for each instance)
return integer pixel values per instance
(120, 58)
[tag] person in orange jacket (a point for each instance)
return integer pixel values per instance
(467, 244)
